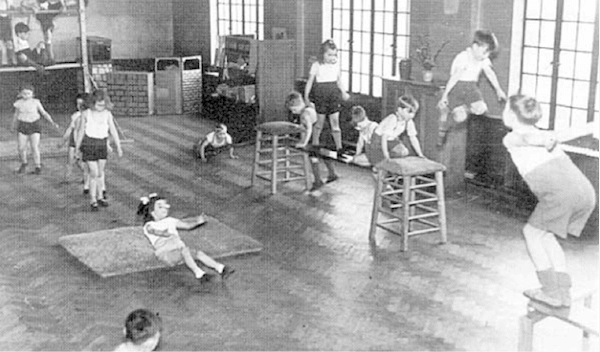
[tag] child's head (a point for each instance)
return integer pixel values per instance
(143, 327)
(153, 208)
(484, 44)
(220, 130)
(295, 103)
(21, 28)
(522, 109)
(26, 91)
(98, 100)
(358, 114)
(407, 107)
(328, 52)
(81, 101)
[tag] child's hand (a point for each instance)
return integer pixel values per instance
(119, 152)
(300, 145)
(551, 143)
(501, 96)
(234, 157)
(109, 148)
(56, 125)
(345, 96)
(443, 103)
(311, 104)
(203, 159)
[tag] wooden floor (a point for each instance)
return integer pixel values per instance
(317, 285)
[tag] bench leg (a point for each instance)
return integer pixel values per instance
(406, 195)
(525, 334)
(439, 190)
(274, 165)
(376, 205)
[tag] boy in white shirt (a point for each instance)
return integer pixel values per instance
(214, 143)
(365, 127)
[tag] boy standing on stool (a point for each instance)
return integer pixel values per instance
(565, 196)
(462, 95)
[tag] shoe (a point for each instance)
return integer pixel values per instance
(94, 206)
(205, 278)
(86, 191)
(227, 271)
(103, 202)
(104, 195)
(316, 186)
(22, 168)
(37, 171)
(331, 179)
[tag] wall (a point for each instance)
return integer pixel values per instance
(191, 29)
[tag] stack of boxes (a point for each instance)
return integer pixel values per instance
(131, 92)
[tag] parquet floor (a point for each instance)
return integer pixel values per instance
(317, 285)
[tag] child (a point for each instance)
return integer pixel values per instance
(97, 124)
(366, 128)
(142, 331)
(69, 138)
(6, 36)
(214, 143)
(565, 196)
(25, 56)
(46, 20)
(462, 95)
(385, 142)
(324, 92)
(26, 121)
(309, 120)
(161, 231)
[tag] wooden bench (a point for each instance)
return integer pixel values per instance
(579, 315)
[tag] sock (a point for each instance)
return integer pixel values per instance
(337, 138)
(219, 267)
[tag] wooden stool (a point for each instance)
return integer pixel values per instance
(405, 184)
(275, 158)
(580, 315)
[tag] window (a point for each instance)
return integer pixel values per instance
(559, 60)
(241, 17)
(371, 35)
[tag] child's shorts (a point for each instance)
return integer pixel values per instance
(464, 93)
(170, 252)
(93, 149)
(327, 97)
(210, 151)
(47, 19)
(29, 128)
(396, 148)
(5, 29)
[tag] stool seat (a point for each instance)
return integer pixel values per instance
(411, 166)
(409, 192)
(280, 127)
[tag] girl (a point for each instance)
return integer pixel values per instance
(97, 123)
(142, 331)
(324, 92)
(26, 121)
(309, 120)
(385, 141)
(161, 231)
(565, 196)
(69, 137)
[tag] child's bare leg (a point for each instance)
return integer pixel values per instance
(93, 167)
(317, 129)
(34, 139)
(336, 132)
(459, 114)
(4, 52)
(70, 162)
(22, 141)
(209, 262)
(534, 241)
(191, 263)
(477, 108)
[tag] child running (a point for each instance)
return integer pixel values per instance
(142, 331)
(161, 231)
(462, 95)
(565, 196)
(214, 143)
(69, 139)
(308, 120)
(26, 121)
(324, 92)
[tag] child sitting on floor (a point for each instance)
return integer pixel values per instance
(214, 143)
(142, 331)
(365, 127)
(161, 231)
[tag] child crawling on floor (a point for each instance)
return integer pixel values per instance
(161, 231)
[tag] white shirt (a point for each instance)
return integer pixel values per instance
(527, 158)
(212, 140)
(20, 44)
(471, 67)
(168, 223)
(391, 127)
(96, 123)
(325, 72)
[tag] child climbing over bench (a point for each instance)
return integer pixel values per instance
(161, 231)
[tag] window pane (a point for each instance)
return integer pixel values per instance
(571, 10)
(586, 37)
(366, 22)
(534, 9)
(379, 22)
(568, 39)
(530, 60)
(588, 10)
(403, 5)
(378, 44)
(563, 118)
(357, 19)
(402, 46)
(549, 9)
(547, 40)
(578, 117)
(365, 84)
(377, 86)
(403, 23)
(544, 121)
(580, 94)
(545, 62)
(532, 33)
(529, 85)
(567, 63)
(388, 63)
(543, 89)
(377, 65)
(583, 66)
(366, 42)
(564, 93)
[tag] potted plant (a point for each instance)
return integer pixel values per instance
(426, 57)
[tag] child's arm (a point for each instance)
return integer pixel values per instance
(156, 232)
(414, 141)
(46, 115)
(576, 132)
(345, 94)
(533, 138)
(456, 72)
(80, 129)
(384, 147)
(231, 154)
(190, 223)
(15, 121)
(115, 136)
(67, 134)
(360, 144)
(491, 75)
(202, 149)
(309, 83)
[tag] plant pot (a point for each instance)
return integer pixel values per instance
(427, 75)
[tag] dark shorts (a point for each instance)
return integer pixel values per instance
(47, 19)
(327, 97)
(31, 55)
(29, 128)
(396, 149)
(464, 93)
(93, 149)
(5, 29)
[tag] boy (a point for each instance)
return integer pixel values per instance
(214, 143)
(25, 56)
(365, 127)
(46, 19)
(462, 95)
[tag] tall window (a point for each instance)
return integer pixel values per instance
(370, 35)
(243, 17)
(559, 60)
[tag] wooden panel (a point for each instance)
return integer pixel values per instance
(274, 78)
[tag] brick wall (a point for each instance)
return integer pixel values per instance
(132, 93)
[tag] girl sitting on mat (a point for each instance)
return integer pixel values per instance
(161, 231)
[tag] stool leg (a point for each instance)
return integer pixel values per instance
(407, 182)
(255, 166)
(376, 203)
(439, 190)
(525, 333)
(287, 157)
(585, 343)
(306, 162)
(274, 164)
